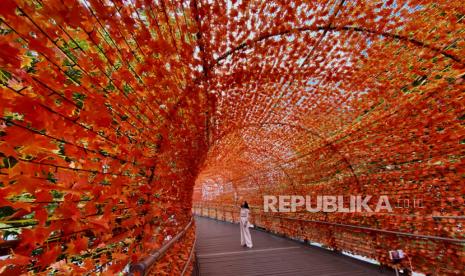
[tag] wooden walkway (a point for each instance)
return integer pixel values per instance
(219, 253)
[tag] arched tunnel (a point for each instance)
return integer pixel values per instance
(120, 119)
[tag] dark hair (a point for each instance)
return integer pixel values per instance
(245, 205)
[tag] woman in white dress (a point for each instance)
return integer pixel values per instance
(246, 239)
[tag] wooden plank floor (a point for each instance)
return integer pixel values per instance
(219, 253)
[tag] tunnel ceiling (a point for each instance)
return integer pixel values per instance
(113, 110)
(326, 93)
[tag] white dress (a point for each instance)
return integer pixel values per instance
(246, 239)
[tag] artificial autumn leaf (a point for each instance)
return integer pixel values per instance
(99, 222)
(41, 216)
(49, 256)
(9, 270)
(32, 238)
(16, 259)
(77, 245)
(8, 150)
(9, 55)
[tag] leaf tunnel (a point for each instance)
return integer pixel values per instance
(120, 117)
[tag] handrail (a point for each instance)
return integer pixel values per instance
(429, 237)
(298, 212)
(190, 257)
(155, 255)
